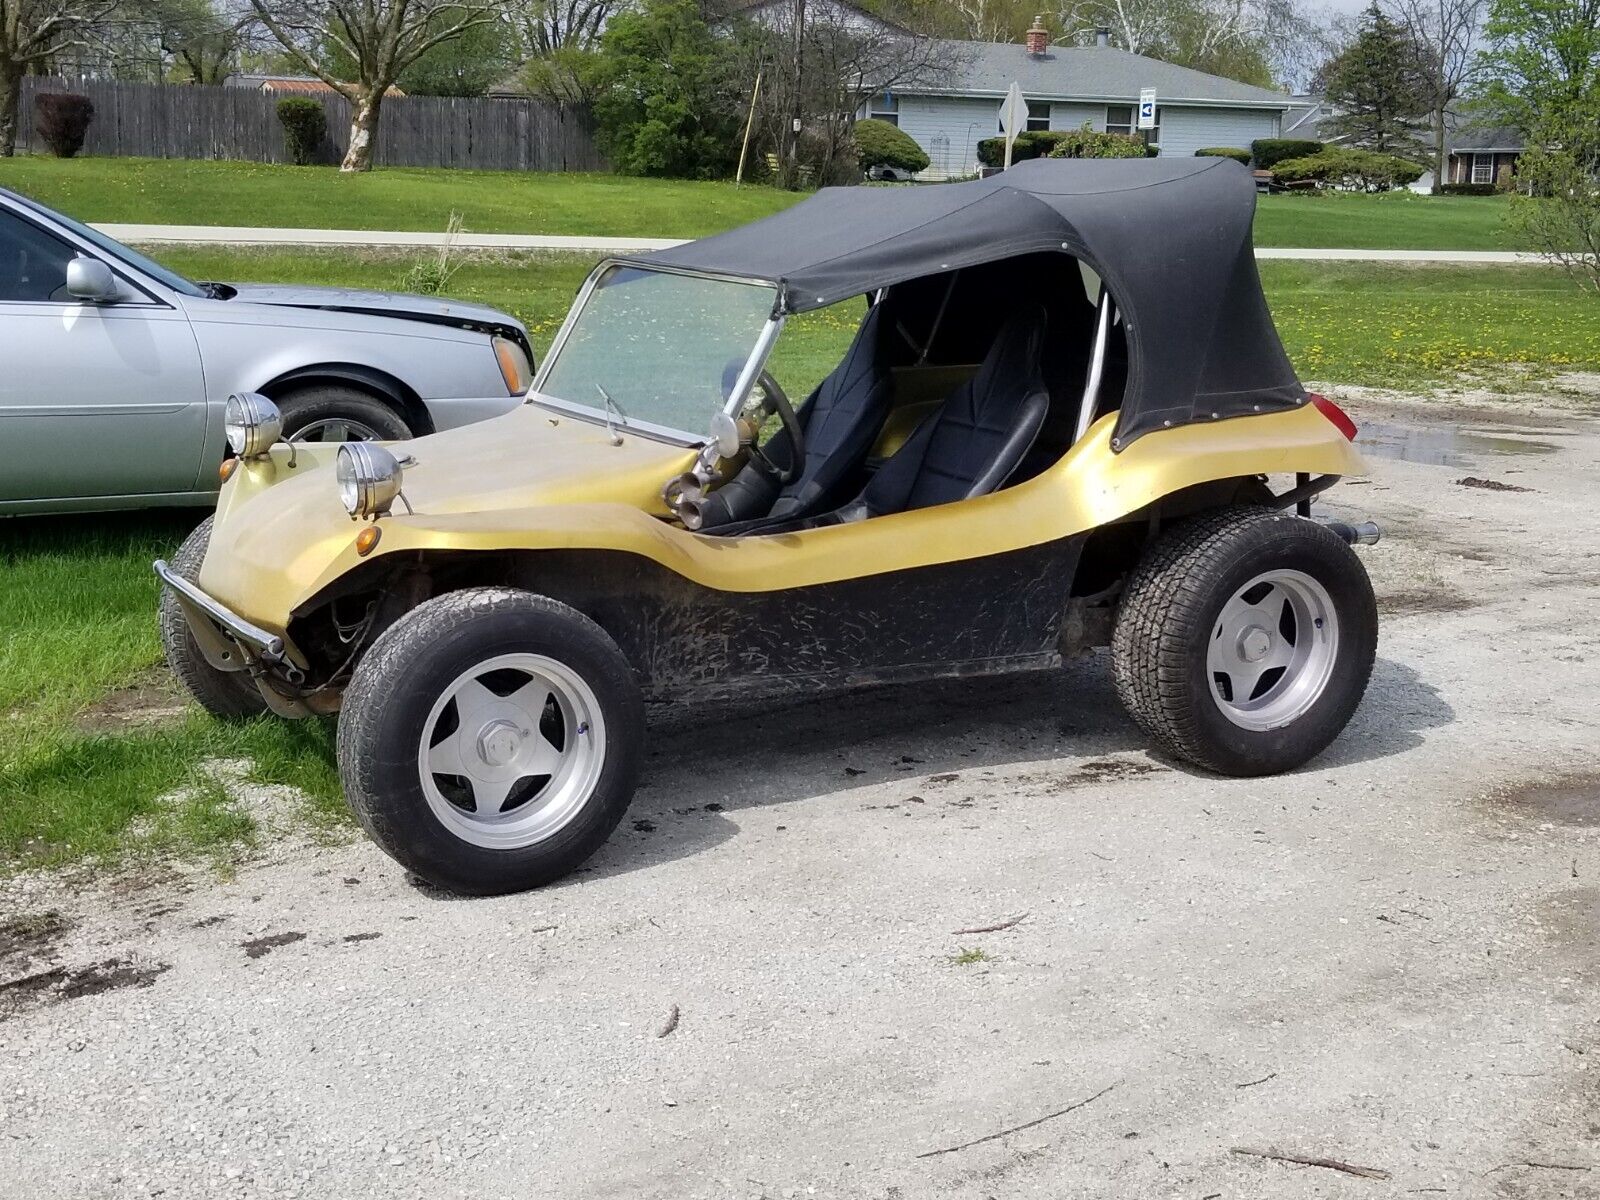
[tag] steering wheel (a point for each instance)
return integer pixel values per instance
(776, 400)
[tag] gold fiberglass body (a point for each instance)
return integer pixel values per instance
(1037, 428)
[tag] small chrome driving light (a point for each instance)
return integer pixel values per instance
(253, 423)
(369, 478)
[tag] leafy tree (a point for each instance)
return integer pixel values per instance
(1377, 90)
(1543, 59)
(662, 101)
(1543, 64)
(32, 32)
(880, 144)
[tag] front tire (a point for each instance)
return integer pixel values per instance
(489, 741)
(330, 413)
(228, 695)
(1245, 640)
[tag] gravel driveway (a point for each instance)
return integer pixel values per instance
(773, 982)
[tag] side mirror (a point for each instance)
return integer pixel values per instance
(725, 435)
(91, 280)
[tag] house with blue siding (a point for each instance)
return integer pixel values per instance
(1068, 87)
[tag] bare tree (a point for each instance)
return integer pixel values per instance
(551, 25)
(1444, 39)
(32, 32)
(1197, 32)
(819, 64)
(380, 37)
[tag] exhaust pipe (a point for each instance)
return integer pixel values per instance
(1366, 533)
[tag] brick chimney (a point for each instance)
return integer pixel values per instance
(1038, 37)
(1102, 38)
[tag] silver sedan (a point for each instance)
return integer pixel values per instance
(114, 370)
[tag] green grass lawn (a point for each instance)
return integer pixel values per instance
(183, 192)
(179, 192)
(1396, 221)
(77, 598)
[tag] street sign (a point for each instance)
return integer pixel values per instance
(1147, 108)
(1013, 116)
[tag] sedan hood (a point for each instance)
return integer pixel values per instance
(401, 305)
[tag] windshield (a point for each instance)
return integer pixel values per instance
(665, 348)
(116, 249)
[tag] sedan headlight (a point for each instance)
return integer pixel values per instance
(369, 478)
(253, 423)
(514, 366)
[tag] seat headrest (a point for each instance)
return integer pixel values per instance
(1016, 347)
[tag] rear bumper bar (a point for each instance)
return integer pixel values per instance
(196, 603)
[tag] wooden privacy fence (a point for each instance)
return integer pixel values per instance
(182, 121)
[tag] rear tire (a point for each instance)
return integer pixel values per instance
(330, 413)
(1245, 640)
(490, 740)
(229, 695)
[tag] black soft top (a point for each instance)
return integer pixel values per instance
(1170, 237)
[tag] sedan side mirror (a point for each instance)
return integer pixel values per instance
(91, 280)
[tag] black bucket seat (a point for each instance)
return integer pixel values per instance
(973, 442)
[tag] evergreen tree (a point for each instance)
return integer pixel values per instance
(1378, 89)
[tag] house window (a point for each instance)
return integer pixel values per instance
(885, 106)
(1483, 168)
(1038, 117)
(1121, 118)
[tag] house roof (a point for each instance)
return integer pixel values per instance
(293, 85)
(1484, 137)
(1088, 73)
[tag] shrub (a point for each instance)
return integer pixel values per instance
(305, 123)
(1269, 152)
(1088, 143)
(1357, 170)
(880, 144)
(1234, 152)
(1035, 143)
(1467, 189)
(62, 120)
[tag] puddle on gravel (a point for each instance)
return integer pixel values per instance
(1443, 445)
(1563, 801)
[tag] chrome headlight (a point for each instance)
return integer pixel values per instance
(253, 423)
(369, 478)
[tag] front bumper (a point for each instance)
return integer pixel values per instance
(207, 616)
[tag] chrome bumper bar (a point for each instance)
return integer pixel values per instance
(197, 603)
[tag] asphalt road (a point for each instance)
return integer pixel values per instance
(1386, 962)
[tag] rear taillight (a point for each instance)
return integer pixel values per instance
(1341, 420)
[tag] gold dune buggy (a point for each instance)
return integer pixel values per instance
(1055, 425)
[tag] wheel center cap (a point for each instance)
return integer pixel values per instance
(1254, 643)
(499, 742)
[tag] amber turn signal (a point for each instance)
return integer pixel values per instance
(367, 540)
(228, 467)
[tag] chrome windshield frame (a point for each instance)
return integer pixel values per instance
(748, 374)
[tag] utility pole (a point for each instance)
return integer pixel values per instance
(792, 155)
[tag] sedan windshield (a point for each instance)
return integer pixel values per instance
(656, 347)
